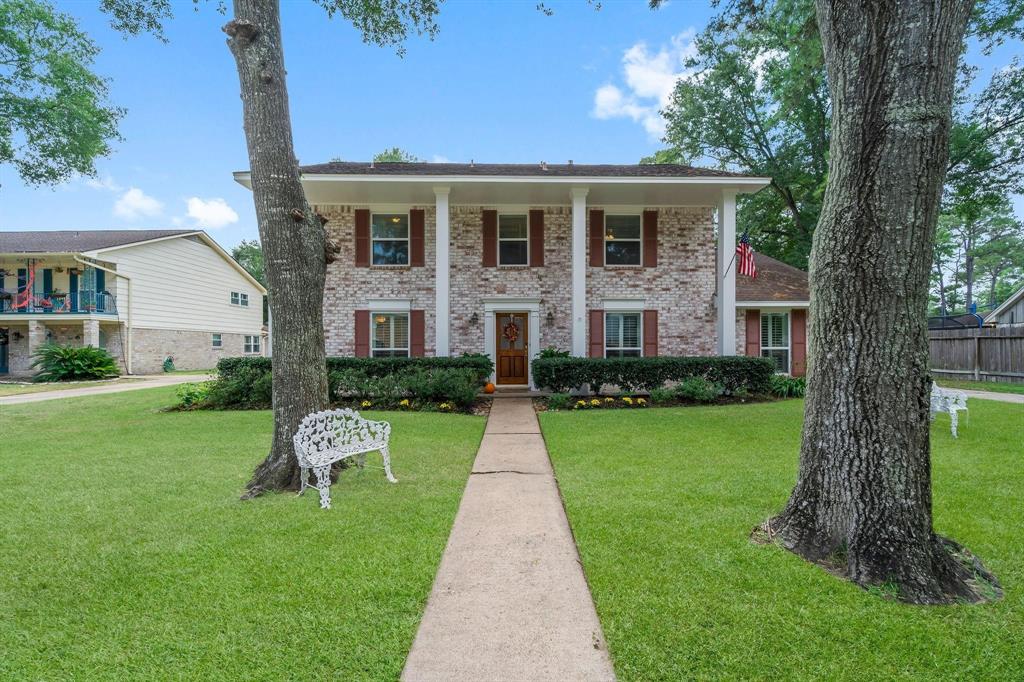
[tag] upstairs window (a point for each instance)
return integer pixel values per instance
(389, 234)
(622, 240)
(775, 339)
(390, 334)
(622, 335)
(240, 299)
(251, 344)
(513, 240)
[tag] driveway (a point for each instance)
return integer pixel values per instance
(137, 383)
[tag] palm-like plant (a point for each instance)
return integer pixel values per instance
(72, 363)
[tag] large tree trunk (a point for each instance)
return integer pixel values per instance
(862, 503)
(292, 236)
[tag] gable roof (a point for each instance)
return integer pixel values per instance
(775, 282)
(532, 170)
(78, 241)
(1010, 301)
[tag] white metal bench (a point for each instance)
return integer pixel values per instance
(948, 401)
(330, 436)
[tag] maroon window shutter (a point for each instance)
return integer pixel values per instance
(490, 257)
(362, 333)
(597, 333)
(417, 333)
(597, 238)
(753, 343)
(650, 333)
(798, 331)
(536, 238)
(362, 237)
(417, 219)
(650, 239)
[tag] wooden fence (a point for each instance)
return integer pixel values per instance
(982, 354)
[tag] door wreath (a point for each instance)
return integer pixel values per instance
(510, 332)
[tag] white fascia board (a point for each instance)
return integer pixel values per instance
(1009, 302)
(773, 304)
(95, 252)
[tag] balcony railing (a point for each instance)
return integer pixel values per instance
(78, 303)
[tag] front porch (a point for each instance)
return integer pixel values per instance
(21, 337)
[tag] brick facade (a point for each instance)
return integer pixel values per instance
(681, 288)
(189, 349)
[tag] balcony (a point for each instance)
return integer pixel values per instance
(57, 303)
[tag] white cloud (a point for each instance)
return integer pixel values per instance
(135, 204)
(211, 213)
(439, 158)
(649, 79)
(104, 183)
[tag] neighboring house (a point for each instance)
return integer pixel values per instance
(1011, 311)
(772, 314)
(144, 295)
(507, 259)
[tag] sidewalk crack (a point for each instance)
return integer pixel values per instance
(508, 471)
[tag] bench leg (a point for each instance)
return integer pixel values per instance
(386, 454)
(323, 484)
(952, 422)
(303, 479)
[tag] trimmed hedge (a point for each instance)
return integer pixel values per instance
(371, 367)
(733, 373)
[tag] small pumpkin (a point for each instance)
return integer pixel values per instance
(488, 387)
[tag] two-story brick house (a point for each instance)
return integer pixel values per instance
(507, 259)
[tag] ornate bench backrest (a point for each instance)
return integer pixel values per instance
(330, 429)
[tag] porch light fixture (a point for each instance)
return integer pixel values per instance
(16, 336)
(550, 317)
(474, 319)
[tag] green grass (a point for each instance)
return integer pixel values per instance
(13, 388)
(126, 554)
(662, 522)
(994, 386)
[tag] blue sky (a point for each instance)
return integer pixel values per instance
(502, 82)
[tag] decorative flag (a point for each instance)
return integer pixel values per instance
(745, 257)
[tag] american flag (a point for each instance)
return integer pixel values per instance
(745, 257)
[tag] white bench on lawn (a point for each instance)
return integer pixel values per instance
(948, 401)
(330, 436)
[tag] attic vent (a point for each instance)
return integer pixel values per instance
(543, 165)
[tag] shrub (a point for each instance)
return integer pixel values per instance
(72, 363)
(645, 374)
(559, 401)
(698, 389)
(248, 388)
(552, 352)
(480, 364)
(458, 386)
(788, 387)
(168, 364)
(661, 395)
(193, 395)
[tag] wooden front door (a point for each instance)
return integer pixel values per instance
(513, 347)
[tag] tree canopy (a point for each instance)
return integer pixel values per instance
(395, 155)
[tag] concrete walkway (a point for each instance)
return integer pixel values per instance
(135, 384)
(992, 395)
(510, 601)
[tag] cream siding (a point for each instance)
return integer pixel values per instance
(184, 284)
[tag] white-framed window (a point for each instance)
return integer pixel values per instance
(622, 335)
(623, 243)
(389, 335)
(240, 298)
(775, 339)
(513, 239)
(216, 341)
(389, 238)
(251, 344)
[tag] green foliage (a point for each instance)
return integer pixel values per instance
(247, 388)
(192, 395)
(552, 352)
(54, 116)
(662, 396)
(422, 386)
(168, 364)
(72, 363)
(249, 255)
(559, 401)
(645, 374)
(395, 155)
(698, 390)
(788, 387)
(373, 367)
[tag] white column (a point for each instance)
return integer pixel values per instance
(726, 287)
(442, 282)
(579, 271)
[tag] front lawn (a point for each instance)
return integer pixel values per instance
(126, 554)
(662, 502)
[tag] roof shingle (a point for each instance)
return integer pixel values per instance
(775, 281)
(662, 170)
(77, 241)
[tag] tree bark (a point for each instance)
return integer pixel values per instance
(862, 504)
(292, 236)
